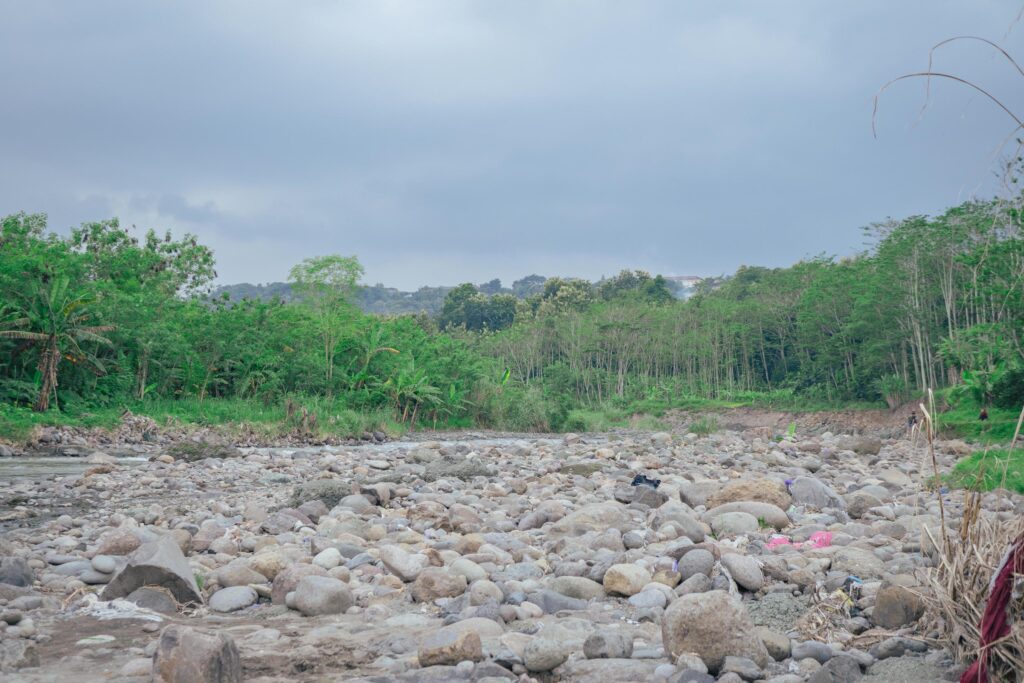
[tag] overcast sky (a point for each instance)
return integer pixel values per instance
(457, 141)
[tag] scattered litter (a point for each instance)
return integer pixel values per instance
(96, 640)
(819, 539)
(114, 609)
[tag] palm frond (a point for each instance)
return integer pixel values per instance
(22, 334)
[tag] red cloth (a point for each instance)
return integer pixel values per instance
(995, 621)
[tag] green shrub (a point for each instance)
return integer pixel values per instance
(704, 425)
(987, 470)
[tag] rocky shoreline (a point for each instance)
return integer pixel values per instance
(754, 559)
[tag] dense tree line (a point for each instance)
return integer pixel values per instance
(102, 317)
(935, 302)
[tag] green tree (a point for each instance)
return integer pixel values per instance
(327, 285)
(56, 321)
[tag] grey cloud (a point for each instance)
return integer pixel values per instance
(466, 140)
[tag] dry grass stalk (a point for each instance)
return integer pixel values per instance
(959, 592)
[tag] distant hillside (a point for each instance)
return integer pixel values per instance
(390, 301)
(375, 299)
(387, 300)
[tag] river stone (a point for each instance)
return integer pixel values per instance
(118, 542)
(328, 559)
(578, 587)
(612, 671)
(746, 669)
(400, 563)
(608, 645)
(861, 445)
(316, 595)
(14, 571)
(544, 654)
(698, 583)
(286, 581)
(761, 490)
(647, 599)
(697, 561)
(450, 645)
(233, 599)
(896, 606)
(457, 468)
(188, 654)
(859, 502)
(159, 563)
(626, 579)
(238, 573)
(16, 653)
(812, 649)
(677, 513)
(744, 570)
(713, 624)
(278, 523)
(153, 599)
(697, 493)
(772, 515)
(597, 516)
(812, 492)
(840, 669)
(327, 491)
(858, 562)
(104, 563)
(471, 570)
(437, 582)
(734, 524)
(778, 644)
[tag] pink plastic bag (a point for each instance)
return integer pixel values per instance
(820, 539)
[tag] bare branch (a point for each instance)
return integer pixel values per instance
(937, 74)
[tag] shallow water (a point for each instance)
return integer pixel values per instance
(43, 468)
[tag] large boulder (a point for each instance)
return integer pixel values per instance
(626, 579)
(745, 570)
(457, 467)
(17, 653)
(316, 595)
(192, 451)
(861, 445)
(188, 655)
(437, 582)
(771, 515)
(812, 492)
(857, 561)
(450, 645)
(859, 502)
(680, 515)
(713, 624)
(328, 491)
(697, 493)
(288, 579)
(14, 571)
(233, 599)
(595, 517)
(118, 542)
(400, 563)
(159, 563)
(761, 490)
(578, 587)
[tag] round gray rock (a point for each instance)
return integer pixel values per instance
(233, 599)
(317, 595)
